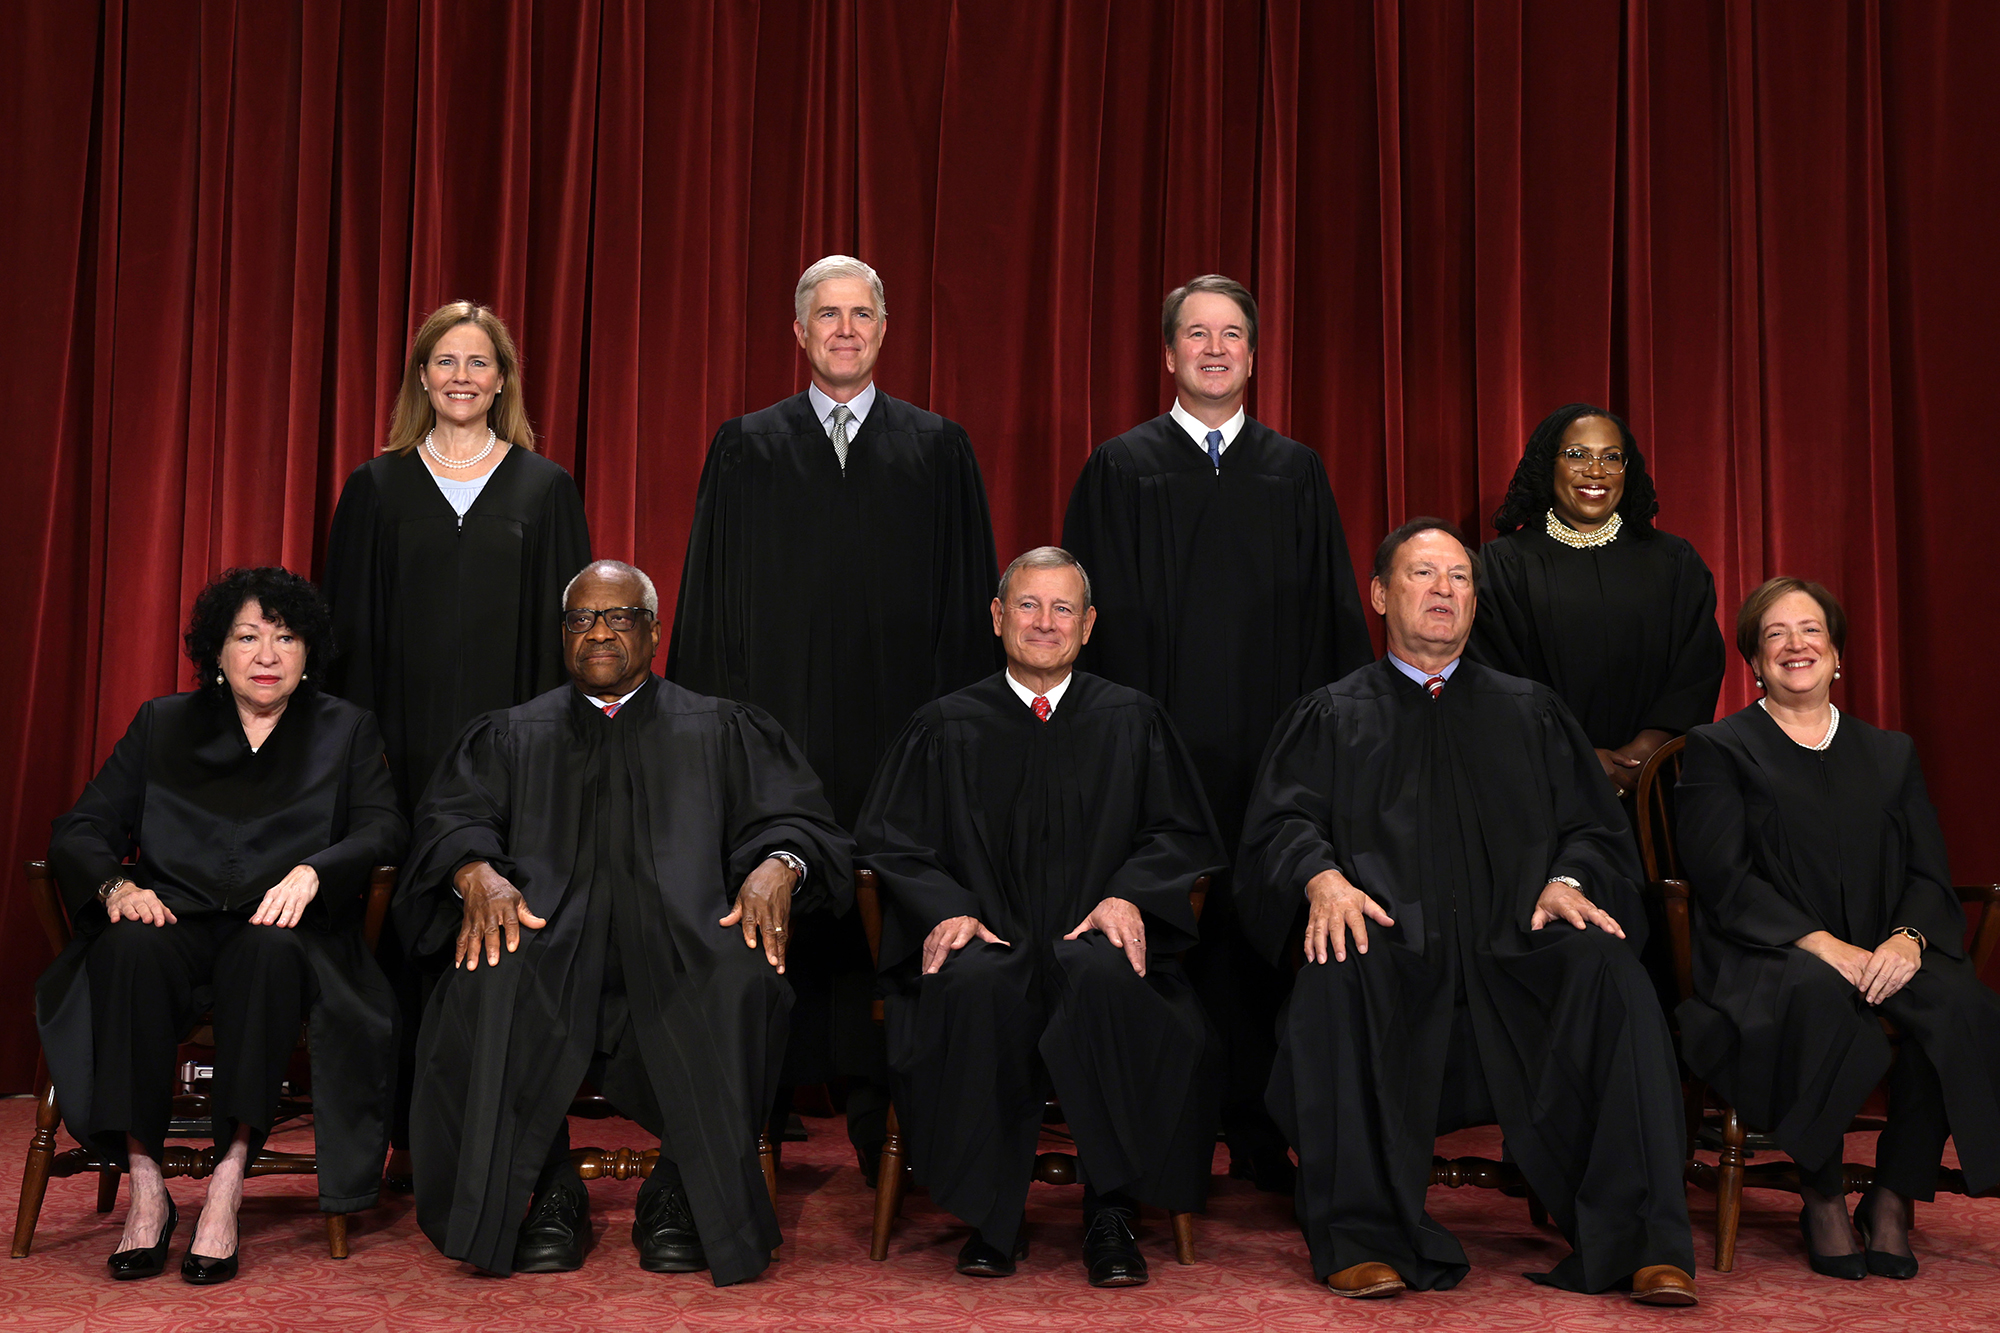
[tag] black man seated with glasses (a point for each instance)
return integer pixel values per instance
(611, 868)
(1581, 593)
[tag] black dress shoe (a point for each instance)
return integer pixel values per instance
(553, 1237)
(1110, 1254)
(1883, 1263)
(1847, 1267)
(151, 1260)
(978, 1259)
(201, 1271)
(664, 1232)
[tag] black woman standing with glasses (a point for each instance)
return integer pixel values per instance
(1582, 593)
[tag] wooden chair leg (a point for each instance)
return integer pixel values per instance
(1728, 1191)
(107, 1189)
(35, 1171)
(768, 1159)
(1183, 1237)
(336, 1235)
(888, 1189)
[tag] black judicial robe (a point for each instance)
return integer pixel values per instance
(1625, 634)
(838, 602)
(1780, 841)
(435, 622)
(215, 825)
(1454, 814)
(632, 832)
(982, 809)
(1223, 594)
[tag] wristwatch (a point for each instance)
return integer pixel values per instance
(796, 864)
(111, 886)
(1914, 934)
(1565, 879)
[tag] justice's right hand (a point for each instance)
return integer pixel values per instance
(493, 908)
(1336, 910)
(947, 937)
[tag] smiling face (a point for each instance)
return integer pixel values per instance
(462, 375)
(606, 662)
(842, 336)
(1210, 357)
(1426, 601)
(1043, 624)
(1796, 658)
(262, 661)
(1587, 499)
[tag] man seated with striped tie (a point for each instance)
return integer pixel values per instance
(1036, 836)
(1472, 923)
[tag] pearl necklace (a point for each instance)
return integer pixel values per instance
(1569, 536)
(1824, 741)
(473, 461)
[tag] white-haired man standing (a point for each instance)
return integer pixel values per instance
(837, 575)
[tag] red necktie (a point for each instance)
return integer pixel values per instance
(1435, 685)
(1042, 708)
(611, 710)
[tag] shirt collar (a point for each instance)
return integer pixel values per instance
(823, 407)
(1027, 696)
(1419, 676)
(1198, 432)
(601, 704)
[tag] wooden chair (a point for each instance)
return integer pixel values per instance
(1712, 1122)
(44, 1162)
(1051, 1168)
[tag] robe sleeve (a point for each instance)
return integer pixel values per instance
(1288, 830)
(1352, 648)
(464, 817)
(559, 547)
(900, 833)
(1694, 680)
(89, 844)
(1739, 900)
(775, 803)
(1929, 905)
(1594, 842)
(350, 582)
(966, 649)
(1101, 530)
(375, 832)
(697, 652)
(1175, 844)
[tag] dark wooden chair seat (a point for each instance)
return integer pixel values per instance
(1051, 1168)
(1713, 1124)
(190, 1105)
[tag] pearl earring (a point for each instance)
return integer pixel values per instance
(1836, 673)
(218, 678)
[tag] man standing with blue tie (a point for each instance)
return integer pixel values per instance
(1227, 591)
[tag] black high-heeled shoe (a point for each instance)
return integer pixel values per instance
(1847, 1267)
(1882, 1263)
(150, 1260)
(201, 1271)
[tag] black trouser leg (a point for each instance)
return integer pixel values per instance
(1912, 1142)
(263, 986)
(142, 981)
(558, 1171)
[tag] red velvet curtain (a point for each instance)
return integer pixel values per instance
(1762, 231)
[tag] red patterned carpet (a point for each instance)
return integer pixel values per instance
(1251, 1272)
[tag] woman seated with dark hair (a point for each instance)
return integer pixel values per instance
(1825, 906)
(257, 807)
(1582, 593)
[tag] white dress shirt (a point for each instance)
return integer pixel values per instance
(1027, 696)
(823, 409)
(1198, 430)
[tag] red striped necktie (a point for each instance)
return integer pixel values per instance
(1435, 685)
(611, 710)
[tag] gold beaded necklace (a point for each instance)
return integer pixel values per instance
(1569, 536)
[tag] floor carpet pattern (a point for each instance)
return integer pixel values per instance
(1250, 1273)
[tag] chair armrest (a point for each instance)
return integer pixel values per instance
(868, 902)
(47, 897)
(1676, 897)
(381, 884)
(1986, 921)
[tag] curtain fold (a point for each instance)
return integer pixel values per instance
(1759, 230)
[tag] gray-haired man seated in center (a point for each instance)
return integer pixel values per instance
(1036, 836)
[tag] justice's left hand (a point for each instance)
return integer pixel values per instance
(1122, 925)
(285, 902)
(764, 904)
(1561, 902)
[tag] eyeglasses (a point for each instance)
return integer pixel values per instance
(621, 619)
(1579, 460)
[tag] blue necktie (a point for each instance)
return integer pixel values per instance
(1215, 449)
